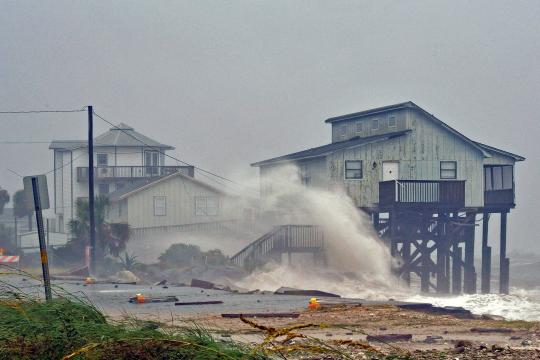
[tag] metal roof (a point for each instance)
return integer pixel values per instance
(122, 135)
(329, 148)
(142, 184)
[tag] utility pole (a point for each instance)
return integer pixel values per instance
(91, 189)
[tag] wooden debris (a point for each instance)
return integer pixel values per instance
(492, 330)
(384, 338)
(211, 302)
(261, 315)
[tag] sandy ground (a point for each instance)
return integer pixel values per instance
(353, 322)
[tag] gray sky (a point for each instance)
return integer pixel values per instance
(233, 82)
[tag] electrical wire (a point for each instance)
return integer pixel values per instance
(41, 111)
(172, 157)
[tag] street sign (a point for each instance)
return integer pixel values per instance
(43, 191)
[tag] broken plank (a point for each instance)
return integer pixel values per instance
(261, 315)
(211, 302)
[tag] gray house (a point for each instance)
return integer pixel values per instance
(414, 174)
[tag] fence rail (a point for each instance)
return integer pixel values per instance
(126, 172)
(445, 193)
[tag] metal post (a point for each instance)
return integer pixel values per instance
(91, 189)
(41, 236)
(486, 256)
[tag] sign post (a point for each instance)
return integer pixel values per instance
(36, 187)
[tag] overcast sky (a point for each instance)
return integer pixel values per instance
(233, 82)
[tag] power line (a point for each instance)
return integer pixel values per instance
(172, 157)
(41, 111)
(7, 142)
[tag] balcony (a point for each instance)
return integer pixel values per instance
(448, 194)
(131, 172)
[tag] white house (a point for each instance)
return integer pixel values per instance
(121, 157)
(176, 208)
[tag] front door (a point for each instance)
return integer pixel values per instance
(151, 161)
(390, 170)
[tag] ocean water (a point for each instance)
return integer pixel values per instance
(520, 304)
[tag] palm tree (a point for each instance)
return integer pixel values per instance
(21, 208)
(4, 199)
(110, 238)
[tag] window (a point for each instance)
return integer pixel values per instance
(448, 170)
(206, 205)
(375, 124)
(212, 206)
(392, 121)
(343, 130)
(358, 126)
(499, 177)
(103, 189)
(353, 169)
(102, 160)
(160, 205)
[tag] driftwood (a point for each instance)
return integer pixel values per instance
(261, 315)
(492, 330)
(384, 338)
(211, 302)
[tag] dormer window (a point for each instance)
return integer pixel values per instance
(375, 124)
(343, 130)
(358, 126)
(391, 121)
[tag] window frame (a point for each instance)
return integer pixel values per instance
(454, 169)
(395, 121)
(373, 122)
(488, 169)
(346, 170)
(204, 209)
(160, 197)
(98, 164)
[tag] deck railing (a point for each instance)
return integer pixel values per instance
(444, 193)
(127, 172)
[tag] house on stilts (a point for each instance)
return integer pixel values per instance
(425, 185)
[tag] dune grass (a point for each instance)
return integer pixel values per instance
(71, 327)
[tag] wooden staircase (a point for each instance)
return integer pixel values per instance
(281, 239)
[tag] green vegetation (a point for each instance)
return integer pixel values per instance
(21, 208)
(180, 255)
(111, 238)
(72, 328)
(4, 199)
(129, 261)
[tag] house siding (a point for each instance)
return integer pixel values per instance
(180, 196)
(419, 154)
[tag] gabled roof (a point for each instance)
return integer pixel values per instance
(329, 148)
(500, 152)
(143, 184)
(409, 105)
(122, 135)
